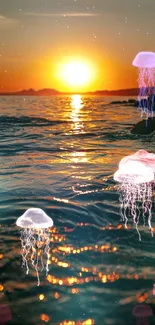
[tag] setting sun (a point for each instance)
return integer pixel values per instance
(75, 73)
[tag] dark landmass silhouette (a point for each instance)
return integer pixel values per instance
(32, 92)
(54, 92)
(130, 102)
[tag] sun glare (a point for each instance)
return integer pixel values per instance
(76, 73)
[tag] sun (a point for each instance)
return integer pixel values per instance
(76, 73)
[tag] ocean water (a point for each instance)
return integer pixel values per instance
(59, 154)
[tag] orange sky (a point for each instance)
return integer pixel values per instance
(42, 73)
(35, 37)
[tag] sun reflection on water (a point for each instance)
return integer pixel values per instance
(76, 106)
(76, 102)
(77, 128)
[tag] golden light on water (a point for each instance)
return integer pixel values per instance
(44, 318)
(41, 297)
(75, 116)
(77, 127)
(79, 157)
(86, 274)
(76, 102)
(1, 287)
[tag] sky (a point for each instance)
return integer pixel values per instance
(38, 37)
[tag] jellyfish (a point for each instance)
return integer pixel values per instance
(145, 157)
(142, 312)
(5, 314)
(145, 62)
(35, 239)
(136, 176)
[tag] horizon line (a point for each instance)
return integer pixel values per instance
(67, 91)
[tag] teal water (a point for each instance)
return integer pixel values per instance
(60, 154)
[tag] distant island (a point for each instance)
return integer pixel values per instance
(53, 92)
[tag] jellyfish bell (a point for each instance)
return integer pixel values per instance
(35, 239)
(144, 60)
(141, 156)
(147, 158)
(142, 312)
(143, 153)
(135, 172)
(34, 218)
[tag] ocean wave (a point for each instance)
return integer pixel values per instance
(27, 121)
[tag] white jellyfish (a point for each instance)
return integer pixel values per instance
(143, 156)
(35, 239)
(136, 175)
(145, 62)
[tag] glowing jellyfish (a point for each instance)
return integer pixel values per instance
(136, 175)
(145, 62)
(142, 313)
(35, 239)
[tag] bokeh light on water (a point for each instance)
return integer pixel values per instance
(62, 158)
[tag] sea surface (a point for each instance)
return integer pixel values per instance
(59, 154)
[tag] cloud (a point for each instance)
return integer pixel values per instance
(6, 22)
(70, 14)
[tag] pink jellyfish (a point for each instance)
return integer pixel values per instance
(145, 62)
(136, 175)
(5, 314)
(35, 238)
(142, 312)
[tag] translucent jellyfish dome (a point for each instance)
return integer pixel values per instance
(142, 157)
(142, 313)
(134, 172)
(34, 218)
(144, 60)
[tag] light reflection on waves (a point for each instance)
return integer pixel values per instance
(64, 164)
(105, 273)
(82, 189)
(65, 249)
